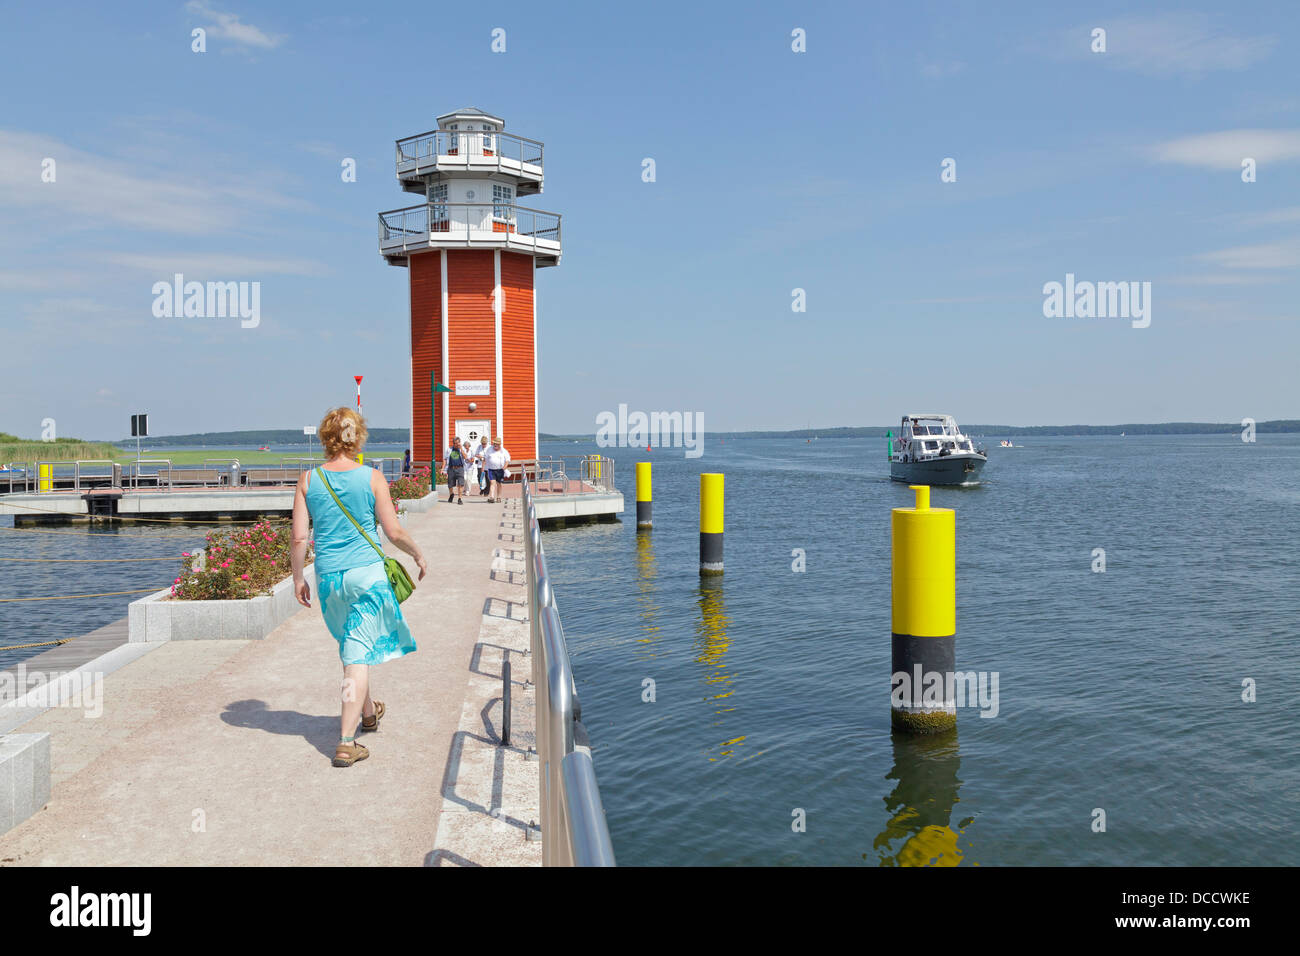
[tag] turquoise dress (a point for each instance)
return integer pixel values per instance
(355, 597)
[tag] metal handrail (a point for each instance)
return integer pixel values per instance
(574, 830)
(76, 469)
(553, 473)
(232, 473)
(447, 147)
(302, 464)
(483, 221)
(11, 469)
(135, 470)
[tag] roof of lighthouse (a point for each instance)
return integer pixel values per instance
(470, 112)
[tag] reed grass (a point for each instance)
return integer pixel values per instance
(55, 451)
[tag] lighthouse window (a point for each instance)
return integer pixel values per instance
(487, 137)
(438, 200)
(454, 136)
(503, 198)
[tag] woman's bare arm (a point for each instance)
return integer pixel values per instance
(386, 515)
(301, 533)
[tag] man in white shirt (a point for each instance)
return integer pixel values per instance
(497, 459)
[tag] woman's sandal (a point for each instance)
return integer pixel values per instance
(371, 724)
(348, 754)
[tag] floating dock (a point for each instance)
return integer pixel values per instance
(560, 500)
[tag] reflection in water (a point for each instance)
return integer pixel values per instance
(920, 805)
(647, 605)
(711, 647)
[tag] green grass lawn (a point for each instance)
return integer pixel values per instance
(39, 451)
(245, 455)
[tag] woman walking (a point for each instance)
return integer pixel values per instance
(480, 455)
(471, 467)
(497, 459)
(356, 599)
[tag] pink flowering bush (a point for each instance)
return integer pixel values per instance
(415, 485)
(241, 563)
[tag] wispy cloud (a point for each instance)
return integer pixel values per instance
(323, 150)
(1216, 279)
(205, 266)
(11, 281)
(1283, 254)
(1273, 217)
(227, 26)
(97, 191)
(1226, 149)
(1168, 44)
(939, 69)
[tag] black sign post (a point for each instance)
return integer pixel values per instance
(139, 429)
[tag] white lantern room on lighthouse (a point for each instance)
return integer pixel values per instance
(471, 251)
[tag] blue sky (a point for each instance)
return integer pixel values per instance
(776, 170)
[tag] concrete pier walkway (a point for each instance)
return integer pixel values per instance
(218, 752)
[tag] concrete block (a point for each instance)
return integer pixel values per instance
(24, 777)
(234, 620)
(7, 821)
(205, 620)
(157, 618)
(157, 624)
(415, 505)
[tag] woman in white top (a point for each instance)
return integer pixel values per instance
(497, 459)
(481, 453)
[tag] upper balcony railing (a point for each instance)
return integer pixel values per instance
(486, 225)
(441, 150)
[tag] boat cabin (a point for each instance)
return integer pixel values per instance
(929, 436)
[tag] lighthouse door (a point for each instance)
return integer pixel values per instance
(472, 430)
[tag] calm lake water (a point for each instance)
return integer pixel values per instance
(123, 545)
(1119, 690)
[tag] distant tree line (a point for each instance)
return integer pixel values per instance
(1166, 428)
(274, 436)
(399, 436)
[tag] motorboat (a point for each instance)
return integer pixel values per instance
(931, 450)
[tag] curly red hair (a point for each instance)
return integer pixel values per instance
(342, 432)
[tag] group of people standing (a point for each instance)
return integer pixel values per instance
(484, 467)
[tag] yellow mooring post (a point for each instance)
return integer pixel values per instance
(644, 519)
(45, 478)
(711, 522)
(924, 600)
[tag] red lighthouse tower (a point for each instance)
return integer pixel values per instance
(472, 252)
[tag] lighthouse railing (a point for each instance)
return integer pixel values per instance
(487, 223)
(447, 147)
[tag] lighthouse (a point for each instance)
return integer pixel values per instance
(471, 252)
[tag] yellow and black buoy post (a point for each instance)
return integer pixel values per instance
(924, 601)
(643, 498)
(711, 523)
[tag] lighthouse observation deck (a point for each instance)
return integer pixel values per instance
(465, 225)
(481, 152)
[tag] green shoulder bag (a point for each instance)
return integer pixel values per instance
(397, 577)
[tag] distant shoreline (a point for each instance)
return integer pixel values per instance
(398, 436)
